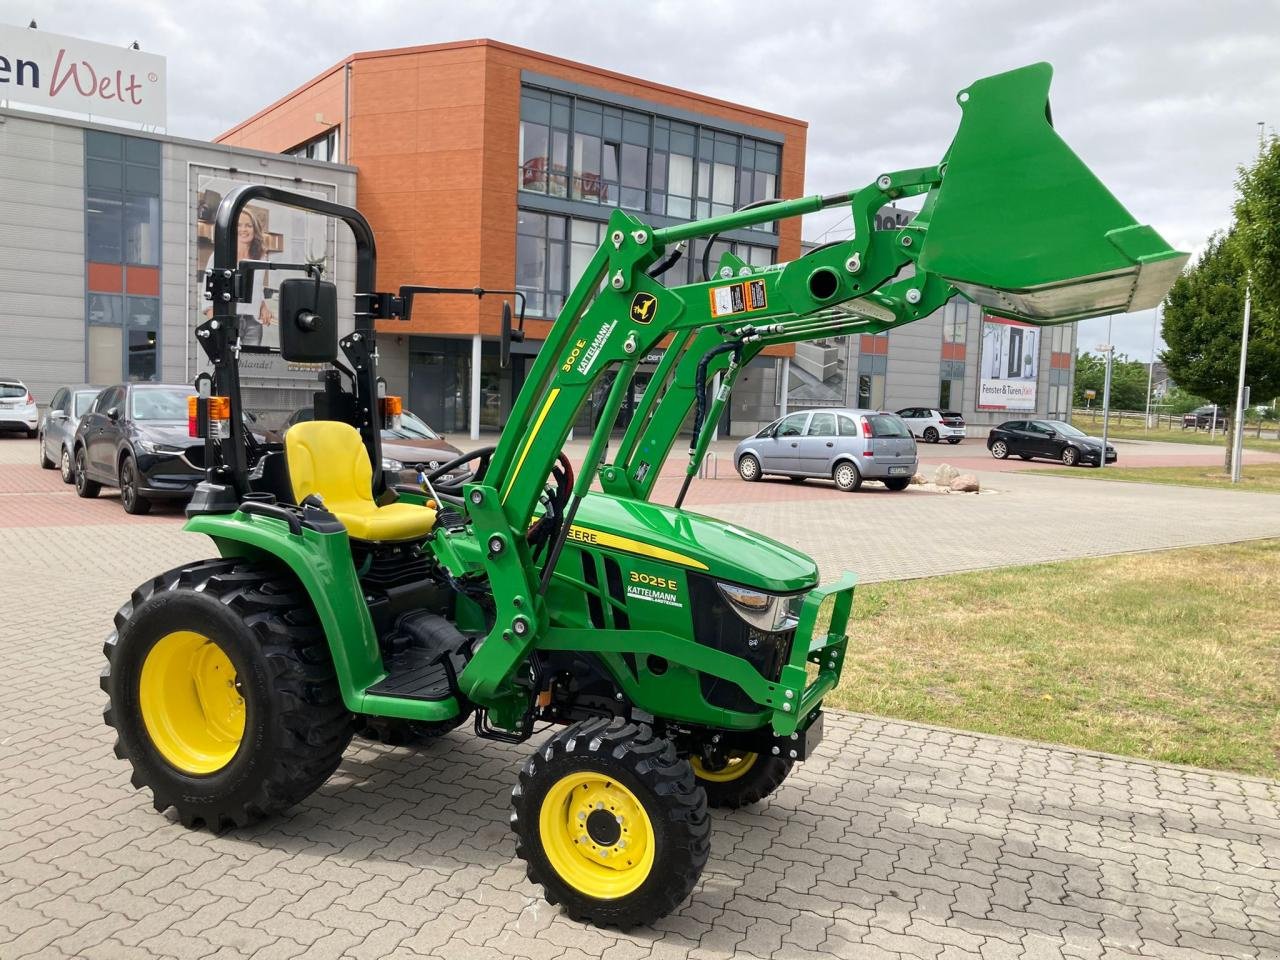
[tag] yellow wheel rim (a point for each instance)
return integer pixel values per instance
(190, 704)
(596, 835)
(739, 763)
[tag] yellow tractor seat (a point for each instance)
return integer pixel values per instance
(328, 459)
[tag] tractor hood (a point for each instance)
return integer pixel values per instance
(721, 550)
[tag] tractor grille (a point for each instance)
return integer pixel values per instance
(716, 625)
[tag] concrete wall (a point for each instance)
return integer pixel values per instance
(42, 311)
(914, 367)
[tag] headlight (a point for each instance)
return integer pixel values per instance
(770, 612)
(390, 464)
(163, 449)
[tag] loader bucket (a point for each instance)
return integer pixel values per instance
(1021, 226)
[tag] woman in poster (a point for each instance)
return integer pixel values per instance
(250, 246)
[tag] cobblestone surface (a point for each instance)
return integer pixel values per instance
(896, 840)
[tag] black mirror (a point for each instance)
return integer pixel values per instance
(308, 320)
(113, 414)
(504, 353)
(1052, 434)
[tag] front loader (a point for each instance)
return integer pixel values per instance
(680, 659)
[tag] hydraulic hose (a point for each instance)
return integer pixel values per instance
(700, 405)
(711, 240)
(669, 261)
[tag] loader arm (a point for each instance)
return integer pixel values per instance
(617, 313)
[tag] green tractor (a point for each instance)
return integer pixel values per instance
(682, 660)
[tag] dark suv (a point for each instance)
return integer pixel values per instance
(135, 437)
(1202, 418)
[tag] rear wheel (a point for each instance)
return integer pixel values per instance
(930, 435)
(32, 434)
(611, 823)
(953, 440)
(999, 449)
(84, 486)
(898, 483)
(743, 778)
(749, 468)
(1070, 457)
(223, 694)
(1025, 456)
(45, 462)
(847, 477)
(134, 502)
(67, 467)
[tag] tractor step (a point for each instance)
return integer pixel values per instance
(416, 674)
(423, 656)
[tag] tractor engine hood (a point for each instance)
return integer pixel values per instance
(703, 544)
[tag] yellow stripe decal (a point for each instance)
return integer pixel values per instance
(528, 444)
(601, 539)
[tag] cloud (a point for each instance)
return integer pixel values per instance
(1160, 99)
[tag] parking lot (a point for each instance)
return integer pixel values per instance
(896, 840)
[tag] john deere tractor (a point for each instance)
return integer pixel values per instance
(682, 661)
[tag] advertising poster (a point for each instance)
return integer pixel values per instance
(266, 231)
(1009, 365)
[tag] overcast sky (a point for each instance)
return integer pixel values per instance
(1161, 99)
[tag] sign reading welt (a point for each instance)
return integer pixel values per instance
(79, 76)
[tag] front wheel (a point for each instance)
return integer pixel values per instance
(1070, 457)
(749, 468)
(223, 693)
(134, 502)
(741, 779)
(611, 823)
(84, 486)
(999, 449)
(847, 477)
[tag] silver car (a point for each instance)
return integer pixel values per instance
(847, 446)
(58, 429)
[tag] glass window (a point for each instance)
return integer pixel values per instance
(142, 230)
(106, 309)
(883, 425)
(870, 391)
(83, 401)
(59, 401)
(140, 365)
(822, 425)
(142, 180)
(793, 425)
(109, 398)
(159, 403)
(531, 259)
(535, 156)
(104, 227)
(847, 427)
(107, 145)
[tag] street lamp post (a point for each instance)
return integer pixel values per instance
(1237, 435)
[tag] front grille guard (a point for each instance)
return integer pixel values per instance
(796, 697)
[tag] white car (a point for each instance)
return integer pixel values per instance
(932, 425)
(18, 407)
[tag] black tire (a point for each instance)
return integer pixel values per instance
(847, 476)
(749, 468)
(45, 462)
(85, 487)
(953, 440)
(898, 484)
(130, 498)
(652, 775)
(1000, 449)
(1070, 456)
(67, 467)
(1025, 456)
(295, 725)
(32, 434)
(761, 778)
(930, 435)
(797, 479)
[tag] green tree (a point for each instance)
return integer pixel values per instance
(1258, 227)
(1128, 381)
(1203, 319)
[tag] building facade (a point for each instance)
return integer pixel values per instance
(107, 232)
(483, 164)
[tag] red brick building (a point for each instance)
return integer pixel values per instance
(481, 163)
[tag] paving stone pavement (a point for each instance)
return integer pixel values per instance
(896, 840)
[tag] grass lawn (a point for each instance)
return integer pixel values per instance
(1260, 478)
(1133, 431)
(1170, 656)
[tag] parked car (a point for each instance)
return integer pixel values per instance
(135, 437)
(58, 429)
(931, 424)
(1202, 418)
(1046, 440)
(847, 446)
(403, 448)
(18, 409)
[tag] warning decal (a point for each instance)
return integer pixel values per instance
(738, 298)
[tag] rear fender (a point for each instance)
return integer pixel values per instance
(322, 564)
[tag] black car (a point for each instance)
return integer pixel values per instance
(1046, 440)
(135, 437)
(1203, 418)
